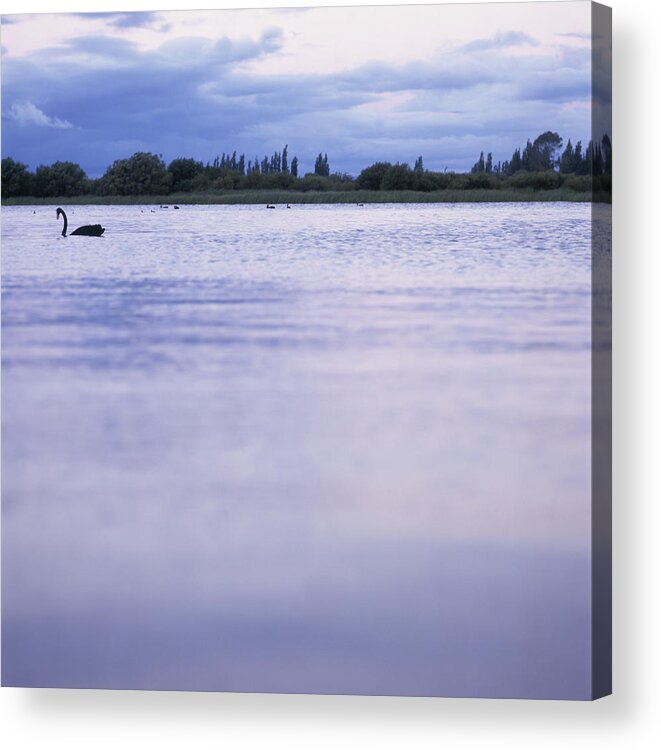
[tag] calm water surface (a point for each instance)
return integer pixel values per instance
(325, 449)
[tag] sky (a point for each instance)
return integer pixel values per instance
(362, 84)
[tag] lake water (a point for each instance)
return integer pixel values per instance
(326, 449)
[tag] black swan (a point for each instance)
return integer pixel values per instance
(89, 230)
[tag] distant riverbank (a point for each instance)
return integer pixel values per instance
(282, 197)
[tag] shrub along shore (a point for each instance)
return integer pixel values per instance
(536, 173)
(282, 197)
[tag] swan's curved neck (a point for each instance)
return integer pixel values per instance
(66, 223)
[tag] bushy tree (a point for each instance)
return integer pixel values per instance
(16, 180)
(546, 147)
(480, 181)
(141, 174)
(183, 173)
(397, 177)
(63, 178)
(370, 178)
(429, 181)
(536, 180)
(91, 186)
(313, 182)
(539, 155)
(342, 181)
(579, 183)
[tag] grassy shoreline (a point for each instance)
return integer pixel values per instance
(256, 197)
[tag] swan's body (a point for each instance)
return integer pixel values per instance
(88, 230)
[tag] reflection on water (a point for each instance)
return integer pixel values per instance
(330, 449)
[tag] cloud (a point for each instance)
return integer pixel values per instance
(576, 35)
(500, 41)
(555, 88)
(85, 51)
(27, 113)
(124, 99)
(199, 96)
(119, 20)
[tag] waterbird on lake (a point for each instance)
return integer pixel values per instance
(89, 230)
(268, 205)
(176, 208)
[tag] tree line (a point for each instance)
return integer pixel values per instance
(544, 155)
(147, 174)
(541, 164)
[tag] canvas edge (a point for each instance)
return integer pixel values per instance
(601, 371)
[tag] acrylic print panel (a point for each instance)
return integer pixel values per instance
(326, 407)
